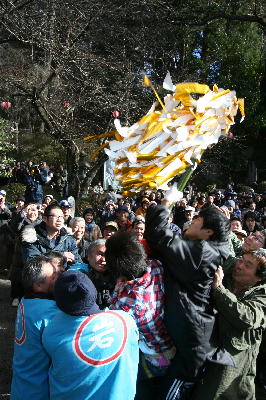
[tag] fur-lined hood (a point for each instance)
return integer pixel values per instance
(31, 234)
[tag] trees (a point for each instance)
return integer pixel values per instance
(6, 142)
(67, 65)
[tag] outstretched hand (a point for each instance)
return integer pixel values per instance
(172, 195)
(218, 278)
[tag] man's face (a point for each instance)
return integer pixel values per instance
(66, 212)
(196, 232)
(252, 206)
(255, 241)
(244, 272)
(108, 232)
(55, 221)
(51, 272)
(250, 222)
(97, 259)
(189, 214)
(20, 203)
(210, 199)
(127, 205)
(32, 212)
(236, 225)
(2, 199)
(88, 218)
(78, 229)
(139, 230)
(122, 216)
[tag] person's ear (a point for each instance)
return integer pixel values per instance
(209, 232)
(36, 287)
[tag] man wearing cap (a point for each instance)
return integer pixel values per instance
(110, 229)
(36, 309)
(189, 214)
(5, 213)
(66, 208)
(93, 231)
(107, 213)
(49, 235)
(100, 347)
(122, 219)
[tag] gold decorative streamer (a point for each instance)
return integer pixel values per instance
(174, 136)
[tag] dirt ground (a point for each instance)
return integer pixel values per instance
(7, 318)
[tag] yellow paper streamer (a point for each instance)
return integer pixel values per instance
(174, 139)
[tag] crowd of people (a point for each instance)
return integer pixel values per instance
(137, 298)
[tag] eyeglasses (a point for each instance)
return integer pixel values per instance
(56, 216)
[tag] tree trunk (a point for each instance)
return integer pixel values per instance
(72, 158)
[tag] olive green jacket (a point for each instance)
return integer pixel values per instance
(235, 251)
(241, 324)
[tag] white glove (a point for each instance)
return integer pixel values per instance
(173, 195)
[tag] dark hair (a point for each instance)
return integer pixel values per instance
(125, 256)
(251, 215)
(214, 219)
(235, 219)
(33, 272)
(137, 222)
(88, 210)
(51, 255)
(49, 208)
(260, 255)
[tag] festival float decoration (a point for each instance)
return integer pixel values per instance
(170, 139)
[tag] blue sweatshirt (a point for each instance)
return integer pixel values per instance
(93, 358)
(31, 362)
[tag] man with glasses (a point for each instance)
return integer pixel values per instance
(49, 235)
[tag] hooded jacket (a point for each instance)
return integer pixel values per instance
(35, 241)
(189, 313)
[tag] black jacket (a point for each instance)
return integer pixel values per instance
(105, 284)
(189, 270)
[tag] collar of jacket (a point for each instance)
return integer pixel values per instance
(31, 234)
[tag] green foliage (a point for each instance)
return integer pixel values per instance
(13, 190)
(39, 147)
(243, 188)
(210, 188)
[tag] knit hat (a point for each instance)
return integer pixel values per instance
(75, 294)
(64, 203)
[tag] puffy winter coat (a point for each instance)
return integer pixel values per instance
(35, 241)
